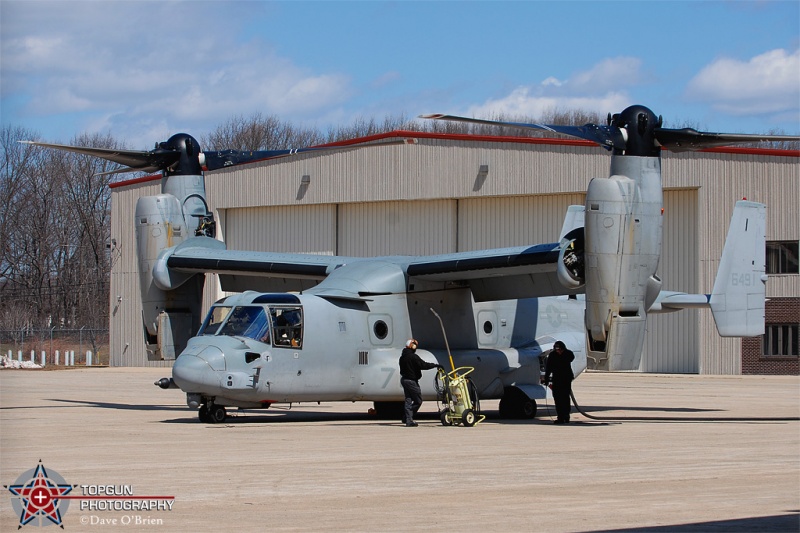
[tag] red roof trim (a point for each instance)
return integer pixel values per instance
(463, 137)
(134, 181)
(753, 151)
(497, 139)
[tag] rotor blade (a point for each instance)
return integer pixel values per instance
(606, 136)
(137, 160)
(688, 139)
(228, 158)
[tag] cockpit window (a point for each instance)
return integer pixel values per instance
(247, 321)
(214, 319)
(287, 326)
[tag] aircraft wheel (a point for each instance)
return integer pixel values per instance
(528, 408)
(444, 416)
(468, 417)
(515, 404)
(217, 414)
(203, 415)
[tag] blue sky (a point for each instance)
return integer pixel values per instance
(143, 70)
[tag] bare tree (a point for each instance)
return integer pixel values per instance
(55, 223)
(30, 250)
(259, 133)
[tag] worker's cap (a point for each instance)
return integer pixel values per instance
(410, 342)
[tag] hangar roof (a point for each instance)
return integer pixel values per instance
(493, 138)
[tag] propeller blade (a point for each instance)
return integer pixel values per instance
(606, 136)
(228, 158)
(135, 160)
(688, 139)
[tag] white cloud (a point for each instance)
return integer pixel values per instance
(766, 84)
(600, 89)
(608, 75)
(73, 58)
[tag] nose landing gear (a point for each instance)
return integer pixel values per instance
(210, 413)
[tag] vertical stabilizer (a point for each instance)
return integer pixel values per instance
(737, 301)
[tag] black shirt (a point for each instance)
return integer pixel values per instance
(412, 365)
(560, 366)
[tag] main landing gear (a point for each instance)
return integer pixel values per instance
(210, 413)
(515, 405)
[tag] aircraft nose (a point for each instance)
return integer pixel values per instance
(193, 374)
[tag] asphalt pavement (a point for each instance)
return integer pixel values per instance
(656, 453)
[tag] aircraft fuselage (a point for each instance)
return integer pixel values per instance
(343, 350)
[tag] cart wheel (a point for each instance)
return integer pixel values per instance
(468, 417)
(444, 416)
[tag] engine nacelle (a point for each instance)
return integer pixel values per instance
(170, 317)
(623, 244)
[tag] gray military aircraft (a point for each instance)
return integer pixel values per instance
(338, 333)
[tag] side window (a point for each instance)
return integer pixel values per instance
(782, 340)
(287, 326)
(216, 316)
(782, 257)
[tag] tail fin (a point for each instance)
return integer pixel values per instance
(738, 299)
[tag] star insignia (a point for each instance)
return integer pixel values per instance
(40, 497)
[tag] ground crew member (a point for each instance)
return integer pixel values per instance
(411, 367)
(558, 371)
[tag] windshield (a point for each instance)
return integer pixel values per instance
(216, 316)
(247, 321)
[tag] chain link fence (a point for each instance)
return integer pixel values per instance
(55, 340)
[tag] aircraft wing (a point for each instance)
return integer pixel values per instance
(245, 270)
(499, 274)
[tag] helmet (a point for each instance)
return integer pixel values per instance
(410, 342)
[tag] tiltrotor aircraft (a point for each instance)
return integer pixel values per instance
(337, 335)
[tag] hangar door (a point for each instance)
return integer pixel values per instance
(301, 229)
(397, 228)
(672, 341)
(512, 220)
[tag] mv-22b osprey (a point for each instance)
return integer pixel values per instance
(338, 334)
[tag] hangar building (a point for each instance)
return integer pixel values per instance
(453, 193)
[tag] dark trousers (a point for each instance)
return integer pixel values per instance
(561, 393)
(413, 398)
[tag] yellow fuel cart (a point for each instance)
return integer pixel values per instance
(459, 398)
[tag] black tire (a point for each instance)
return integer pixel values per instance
(528, 409)
(445, 418)
(468, 417)
(217, 414)
(515, 405)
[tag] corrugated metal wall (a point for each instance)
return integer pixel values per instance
(512, 221)
(432, 198)
(305, 228)
(125, 322)
(722, 179)
(671, 344)
(397, 228)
